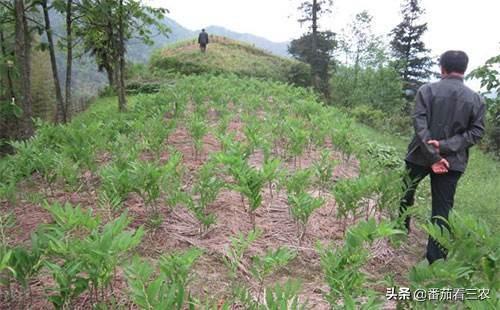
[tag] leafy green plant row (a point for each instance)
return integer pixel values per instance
(283, 123)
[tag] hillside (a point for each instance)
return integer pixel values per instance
(140, 52)
(89, 81)
(276, 48)
(220, 180)
(228, 56)
(180, 177)
(233, 178)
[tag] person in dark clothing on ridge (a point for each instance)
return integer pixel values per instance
(203, 40)
(448, 119)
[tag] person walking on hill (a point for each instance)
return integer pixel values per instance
(203, 40)
(448, 119)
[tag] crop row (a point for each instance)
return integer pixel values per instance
(83, 253)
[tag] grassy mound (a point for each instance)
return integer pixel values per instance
(228, 56)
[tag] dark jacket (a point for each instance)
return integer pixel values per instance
(203, 38)
(453, 114)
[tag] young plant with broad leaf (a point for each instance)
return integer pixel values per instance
(204, 192)
(163, 289)
(198, 129)
(302, 205)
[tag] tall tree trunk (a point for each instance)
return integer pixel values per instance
(111, 75)
(3, 49)
(108, 67)
(61, 107)
(69, 53)
(23, 60)
(109, 62)
(120, 82)
(315, 62)
(356, 69)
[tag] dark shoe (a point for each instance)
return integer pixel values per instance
(407, 224)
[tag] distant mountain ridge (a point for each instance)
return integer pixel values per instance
(87, 81)
(277, 48)
(226, 55)
(139, 52)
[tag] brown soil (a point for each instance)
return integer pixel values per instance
(179, 231)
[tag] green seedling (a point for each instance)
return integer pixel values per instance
(302, 205)
(206, 189)
(198, 129)
(323, 171)
(264, 266)
(234, 253)
(165, 289)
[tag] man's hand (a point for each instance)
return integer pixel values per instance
(435, 144)
(440, 167)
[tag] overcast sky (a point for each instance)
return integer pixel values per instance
(473, 26)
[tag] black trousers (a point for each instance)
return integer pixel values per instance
(443, 187)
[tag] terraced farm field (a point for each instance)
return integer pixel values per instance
(218, 192)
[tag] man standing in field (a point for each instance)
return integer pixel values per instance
(203, 40)
(448, 120)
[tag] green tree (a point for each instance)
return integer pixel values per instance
(365, 81)
(364, 76)
(319, 59)
(6, 80)
(489, 75)
(315, 47)
(8, 111)
(411, 56)
(361, 47)
(24, 65)
(106, 28)
(61, 114)
(22, 51)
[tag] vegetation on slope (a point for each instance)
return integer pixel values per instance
(134, 162)
(483, 173)
(276, 48)
(228, 56)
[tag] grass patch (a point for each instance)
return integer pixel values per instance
(478, 191)
(226, 56)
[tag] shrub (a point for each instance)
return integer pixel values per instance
(173, 64)
(369, 116)
(143, 87)
(379, 88)
(299, 74)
